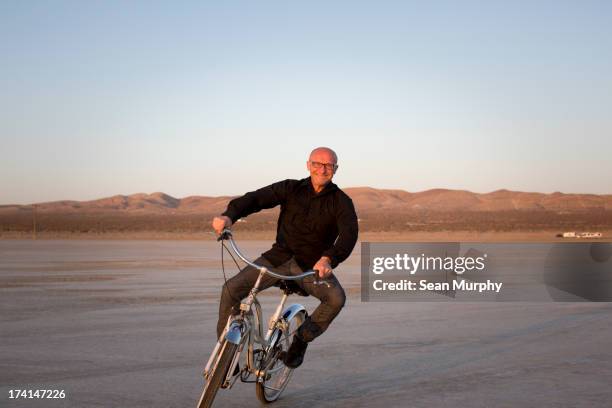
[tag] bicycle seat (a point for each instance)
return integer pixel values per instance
(289, 287)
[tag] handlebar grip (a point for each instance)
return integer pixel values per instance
(224, 235)
(318, 280)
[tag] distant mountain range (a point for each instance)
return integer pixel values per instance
(366, 199)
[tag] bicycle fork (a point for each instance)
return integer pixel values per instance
(233, 330)
(232, 333)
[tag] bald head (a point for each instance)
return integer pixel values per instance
(322, 165)
(325, 151)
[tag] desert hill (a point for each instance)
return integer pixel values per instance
(378, 210)
(366, 199)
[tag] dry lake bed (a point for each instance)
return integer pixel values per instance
(131, 324)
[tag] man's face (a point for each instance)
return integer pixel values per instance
(320, 166)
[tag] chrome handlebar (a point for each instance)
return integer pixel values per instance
(227, 234)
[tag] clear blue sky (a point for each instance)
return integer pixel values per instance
(215, 98)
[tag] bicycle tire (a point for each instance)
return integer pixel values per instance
(283, 374)
(220, 372)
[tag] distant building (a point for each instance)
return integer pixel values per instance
(589, 235)
(585, 234)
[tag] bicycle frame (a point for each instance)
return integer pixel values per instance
(247, 329)
(248, 325)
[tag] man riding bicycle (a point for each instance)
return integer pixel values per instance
(317, 229)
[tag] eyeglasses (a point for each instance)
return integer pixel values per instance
(328, 166)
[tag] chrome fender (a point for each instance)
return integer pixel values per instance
(290, 312)
(234, 332)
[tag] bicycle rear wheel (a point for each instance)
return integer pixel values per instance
(276, 374)
(218, 375)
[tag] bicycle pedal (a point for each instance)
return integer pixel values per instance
(263, 375)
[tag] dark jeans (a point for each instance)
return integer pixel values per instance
(332, 298)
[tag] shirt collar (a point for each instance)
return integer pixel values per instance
(329, 187)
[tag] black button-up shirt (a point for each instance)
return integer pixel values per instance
(310, 225)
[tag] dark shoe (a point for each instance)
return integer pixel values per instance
(294, 357)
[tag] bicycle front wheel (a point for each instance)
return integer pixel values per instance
(276, 374)
(215, 380)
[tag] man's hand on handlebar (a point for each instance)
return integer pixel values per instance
(220, 223)
(323, 266)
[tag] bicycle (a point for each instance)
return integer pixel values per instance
(247, 329)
